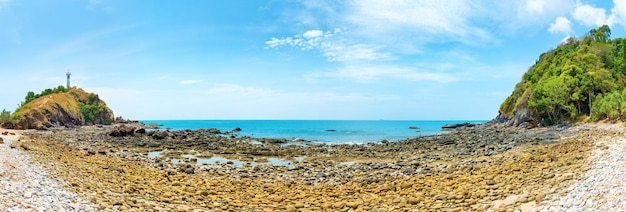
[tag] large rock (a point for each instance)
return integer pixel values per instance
(122, 130)
(62, 109)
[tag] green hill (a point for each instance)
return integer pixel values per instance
(60, 107)
(579, 79)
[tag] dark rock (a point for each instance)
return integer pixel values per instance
(121, 130)
(140, 130)
(214, 131)
(413, 127)
(159, 135)
(448, 142)
(454, 126)
(237, 129)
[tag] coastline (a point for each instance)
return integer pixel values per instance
(483, 168)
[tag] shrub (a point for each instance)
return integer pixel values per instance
(90, 111)
(5, 119)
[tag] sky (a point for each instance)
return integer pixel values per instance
(301, 59)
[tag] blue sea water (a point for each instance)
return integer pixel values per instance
(324, 131)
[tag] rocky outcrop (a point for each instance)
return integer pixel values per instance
(63, 109)
(520, 116)
(122, 130)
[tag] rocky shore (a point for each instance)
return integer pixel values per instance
(26, 187)
(484, 167)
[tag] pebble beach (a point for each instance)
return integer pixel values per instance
(28, 187)
(483, 168)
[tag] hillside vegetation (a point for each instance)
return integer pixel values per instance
(580, 78)
(58, 107)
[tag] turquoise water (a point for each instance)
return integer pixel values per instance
(317, 130)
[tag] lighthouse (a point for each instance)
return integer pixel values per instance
(68, 79)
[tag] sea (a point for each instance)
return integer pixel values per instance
(319, 131)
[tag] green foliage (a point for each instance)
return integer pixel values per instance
(551, 98)
(580, 77)
(601, 34)
(90, 111)
(30, 96)
(610, 106)
(5, 118)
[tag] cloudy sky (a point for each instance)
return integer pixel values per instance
(317, 59)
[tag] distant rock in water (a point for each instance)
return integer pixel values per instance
(71, 108)
(413, 127)
(454, 126)
(330, 130)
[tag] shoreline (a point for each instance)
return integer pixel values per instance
(468, 169)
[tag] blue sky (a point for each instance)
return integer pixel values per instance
(317, 59)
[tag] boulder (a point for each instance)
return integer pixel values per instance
(159, 135)
(214, 131)
(122, 130)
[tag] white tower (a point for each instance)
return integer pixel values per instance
(68, 79)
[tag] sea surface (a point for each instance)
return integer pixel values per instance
(323, 131)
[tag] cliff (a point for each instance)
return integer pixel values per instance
(581, 79)
(71, 108)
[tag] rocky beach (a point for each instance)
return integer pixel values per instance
(481, 168)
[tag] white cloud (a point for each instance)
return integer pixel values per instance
(535, 6)
(333, 47)
(371, 73)
(355, 52)
(561, 25)
(619, 11)
(590, 16)
(189, 82)
(312, 34)
(532, 13)
(446, 20)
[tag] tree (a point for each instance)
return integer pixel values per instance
(601, 34)
(551, 98)
(30, 96)
(5, 118)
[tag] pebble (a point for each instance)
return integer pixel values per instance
(27, 187)
(603, 187)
